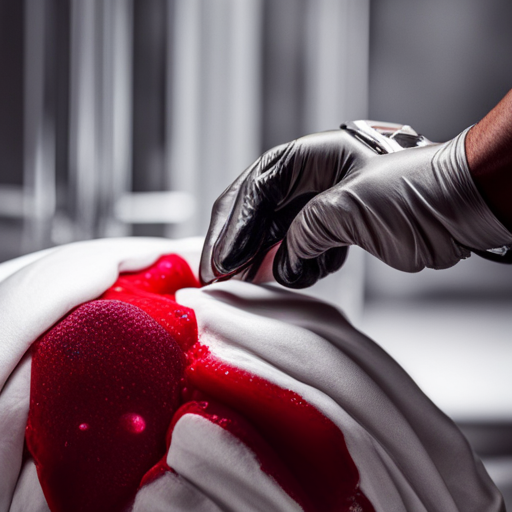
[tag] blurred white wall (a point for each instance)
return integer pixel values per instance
(440, 66)
(157, 96)
(120, 98)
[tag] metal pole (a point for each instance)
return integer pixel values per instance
(337, 62)
(115, 166)
(84, 116)
(39, 127)
(214, 86)
(183, 114)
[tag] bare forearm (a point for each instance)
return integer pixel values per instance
(489, 154)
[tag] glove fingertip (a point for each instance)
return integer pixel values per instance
(334, 259)
(306, 272)
(302, 274)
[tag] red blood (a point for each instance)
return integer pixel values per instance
(165, 277)
(108, 379)
(307, 443)
(153, 289)
(105, 385)
(241, 428)
(133, 423)
(177, 320)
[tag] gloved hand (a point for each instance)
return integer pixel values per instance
(413, 209)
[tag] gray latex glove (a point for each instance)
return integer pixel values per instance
(412, 209)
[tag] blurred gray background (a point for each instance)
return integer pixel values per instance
(128, 117)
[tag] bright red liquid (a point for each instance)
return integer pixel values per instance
(108, 380)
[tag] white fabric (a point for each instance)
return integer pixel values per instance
(403, 446)
(172, 493)
(14, 404)
(29, 496)
(209, 456)
(36, 291)
(411, 458)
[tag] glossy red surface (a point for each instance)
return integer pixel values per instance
(105, 385)
(232, 421)
(108, 380)
(320, 473)
(153, 290)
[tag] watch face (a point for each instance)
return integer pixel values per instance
(386, 137)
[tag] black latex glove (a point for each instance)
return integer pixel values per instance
(255, 212)
(412, 209)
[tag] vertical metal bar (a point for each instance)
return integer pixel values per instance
(215, 107)
(231, 71)
(284, 39)
(358, 42)
(115, 165)
(39, 128)
(105, 119)
(183, 115)
(122, 104)
(337, 62)
(84, 112)
(243, 135)
(215, 110)
(149, 98)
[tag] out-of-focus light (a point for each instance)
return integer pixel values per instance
(155, 207)
(13, 201)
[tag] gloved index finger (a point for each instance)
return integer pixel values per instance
(220, 213)
(238, 216)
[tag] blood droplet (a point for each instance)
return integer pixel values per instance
(133, 423)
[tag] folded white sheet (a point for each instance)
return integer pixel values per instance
(410, 456)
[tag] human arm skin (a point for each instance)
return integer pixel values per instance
(489, 156)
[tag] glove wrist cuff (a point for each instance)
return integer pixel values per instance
(471, 221)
